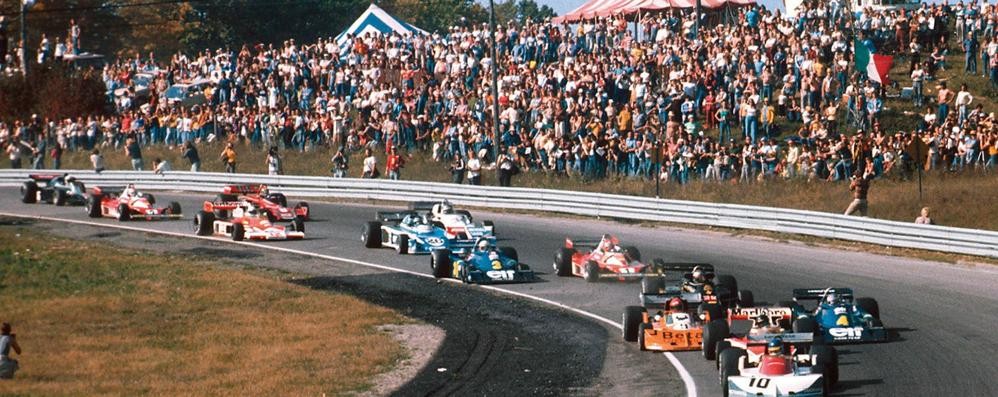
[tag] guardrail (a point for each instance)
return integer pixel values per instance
(810, 223)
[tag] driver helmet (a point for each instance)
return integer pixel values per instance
(251, 211)
(831, 298)
(677, 305)
(264, 191)
(698, 273)
(483, 245)
(446, 208)
(775, 346)
(708, 289)
(70, 179)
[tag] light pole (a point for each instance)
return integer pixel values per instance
(495, 81)
(24, 36)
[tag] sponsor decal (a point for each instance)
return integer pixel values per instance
(496, 265)
(849, 333)
(504, 275)
(434, 241)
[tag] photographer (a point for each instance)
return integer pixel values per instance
(8, 341)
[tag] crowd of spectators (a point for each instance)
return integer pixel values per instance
(751, 94)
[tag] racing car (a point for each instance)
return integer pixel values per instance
(412, 233)
(723, 331)
(56, 189)
(245, 221)
(127, 204)
(274, 205)
(699, 278)
(781, 364)
(485, 264)
(838, 317)
(603, 258)
(454, 221)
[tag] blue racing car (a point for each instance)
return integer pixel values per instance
(838, 318)
(484, 264)
(410, 232)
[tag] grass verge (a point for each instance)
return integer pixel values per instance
(93, 319)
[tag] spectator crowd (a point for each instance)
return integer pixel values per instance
(746, 95)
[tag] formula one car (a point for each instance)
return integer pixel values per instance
(721, 332)
(603, 258)
(782, 364)
(838, 318)
(695, 278)
(274, 205)
(412, 233)
(128, 204)
(484, 264)
(56, 189)
(245, 222)
(456, 222)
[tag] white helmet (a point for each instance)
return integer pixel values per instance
(483, 245)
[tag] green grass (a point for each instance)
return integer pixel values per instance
(93, 319)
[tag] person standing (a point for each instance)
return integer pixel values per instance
(474, 169)
(134, 152)
(924, 218)
(8, 342)
(394, 163)
(190, 153)
(943, 98)
(228, 157)
(273, 162)
(161, 166)
(97, 160)
(457, 170)
(56, 155)
(370, 165)
(340, 164)
(860, 188)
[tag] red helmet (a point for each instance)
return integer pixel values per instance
(676, 304)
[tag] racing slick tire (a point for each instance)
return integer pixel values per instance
(714, 332)
(440, 263)
(271, 217)
(632, 253)
(465, 213)
(592, 272)
(93, 206)
(713, 311)
(29, 192)
(308, 211)
(403, 244)
(728, 364)
(826, 361)
(174, 208)
(491, 225)
(370, 234)
(652, 284)
(729, 282)
(298, 224)
(869, 305)
(634, 316)
(563, 262)
(721, 347)
(59, 198)
(278, 198)
(510, 253)
(641, 336)
(745, 298)
(150, 198)
(807, 325)
(124, 214)
(238, 232)
(203, 222)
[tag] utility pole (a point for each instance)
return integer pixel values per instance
(658, 161)
(24, 36)
(495, 81)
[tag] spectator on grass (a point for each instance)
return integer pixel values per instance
(273, 162)
(160, 166)
(340, 164)
(924, 218)
(474, 168)
(8, 342)
(97, 160)
(457, 170)
(370, 170)
(228, 157)
(860, 186)
(189, 152)
(56, 155)
(394, 164)
(134, 153)
(14, 153)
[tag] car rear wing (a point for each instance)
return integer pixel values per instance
(253, 188)
(662, 300)
(210, 206)
(43, 177)
(818, 293)
(394, 216)
(682, 266)
(748, 313)
(106, 190)
(788, 337)
(591, 244)
(424, 205)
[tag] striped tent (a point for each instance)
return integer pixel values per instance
(376, 20)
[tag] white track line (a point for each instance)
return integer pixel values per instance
(691, 389)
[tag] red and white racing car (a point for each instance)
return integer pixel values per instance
(274, 205)
(604, 258)
(243, 220)
(128, 204)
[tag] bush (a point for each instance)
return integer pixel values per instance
(54, 91)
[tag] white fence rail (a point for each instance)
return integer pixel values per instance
(811, 223)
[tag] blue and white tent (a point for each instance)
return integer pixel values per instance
(376, 20)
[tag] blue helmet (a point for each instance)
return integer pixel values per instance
(775, 345)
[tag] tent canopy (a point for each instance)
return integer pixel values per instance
(376, 20)
(603, 8)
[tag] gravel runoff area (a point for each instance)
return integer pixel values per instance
(492, 343)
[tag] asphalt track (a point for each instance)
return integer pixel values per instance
(943, 317)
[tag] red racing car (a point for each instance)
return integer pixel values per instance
(274, 205)
(244, 220)
(128, 204)
(604, 258)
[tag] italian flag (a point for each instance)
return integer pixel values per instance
(876, 66)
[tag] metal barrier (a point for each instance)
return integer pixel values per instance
(810, 223)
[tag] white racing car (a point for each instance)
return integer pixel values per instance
(785, 364)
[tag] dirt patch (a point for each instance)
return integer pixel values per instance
(421, 342)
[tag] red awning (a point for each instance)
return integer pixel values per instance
(603, 8)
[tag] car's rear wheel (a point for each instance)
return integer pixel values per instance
(632, 253)
(308, 211)
(94, 206)
(715, 331)
(298, 224)
(746, 298)
(29, 192)
(592, 272)
(633, 316)
(510, 253)
(729, 366)
(869, 305)
(563, 262)
(124, 214)
(720, 348)
(60, 197)
(203, 222)
(150, 198)
(728, 281)
(238, 232)
(174, 208)
(370, 234)
(278, 198)
(440, 263)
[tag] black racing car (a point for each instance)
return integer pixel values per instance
(56, 189)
